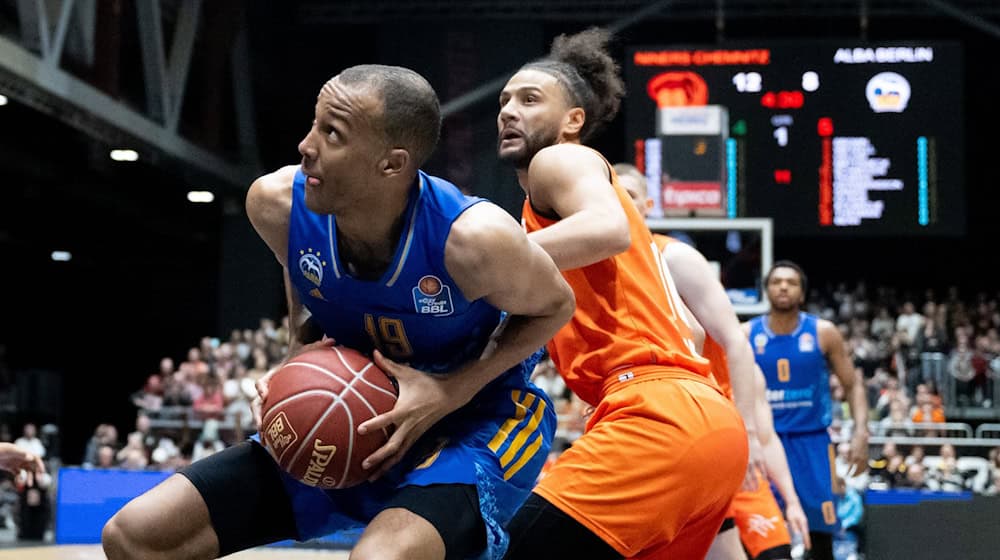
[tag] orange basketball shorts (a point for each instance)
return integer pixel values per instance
(653, 475)
(760, 521)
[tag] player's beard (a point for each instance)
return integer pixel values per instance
(533, 143)
(787, 306)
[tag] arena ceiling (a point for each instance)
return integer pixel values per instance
(322, 12)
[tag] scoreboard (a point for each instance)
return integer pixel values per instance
(824, 137)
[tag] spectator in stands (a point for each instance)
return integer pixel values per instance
(895, 471)
(547, 378)
(916, 477)
(885, 470)
(946, 476)
(260, 364)
(105, 435)
(260, 340)
(267, 325)
(194, 361)
(923, 398)
(166, 367)
(865, 353)
(960, 367)
(206, 347)
(873, 389)
(143, 431)
(889, 393)
(105, 457)
(134, 460)
(897, 353)
(193, 384)
(210, 403)
(282, 333)
(897, 423)
(29, 441)
(993, 489)
(981, 357)
(850, 513)
(933, 335)
(916, 456)
(235, 399)
(175, 392)
(241, 347)
(134, 455)
(928, 414)
(248, 340)
(947, 451)
(167, 456)
(882, 326)
(150, 397)
(908, 323)
(209, 441)
(225, 361)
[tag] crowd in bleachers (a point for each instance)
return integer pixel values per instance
(191, 409)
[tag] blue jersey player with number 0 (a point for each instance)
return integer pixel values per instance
(797, 351)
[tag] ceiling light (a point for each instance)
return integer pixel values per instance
(3, 100)
(201, 196)
(62, 256)
(124, 155)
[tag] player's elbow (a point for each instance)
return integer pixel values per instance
(618, 238)
(562, 304)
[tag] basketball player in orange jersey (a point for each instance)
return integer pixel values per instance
(455, 289)
(664, 450)
(755, 518)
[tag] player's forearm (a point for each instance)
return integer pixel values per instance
(859, 408)
(741, 373)
(778, 471)
(297, 316)
(582, 239)
(522, 337)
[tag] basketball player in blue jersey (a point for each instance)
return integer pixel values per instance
(388, 260)
(797, 351)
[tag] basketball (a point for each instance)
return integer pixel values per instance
(314, 406)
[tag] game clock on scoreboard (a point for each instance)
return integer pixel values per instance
(825, 137)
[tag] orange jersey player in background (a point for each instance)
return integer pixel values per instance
(755, 513)
(664, 450)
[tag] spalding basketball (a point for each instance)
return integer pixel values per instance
(314, 405)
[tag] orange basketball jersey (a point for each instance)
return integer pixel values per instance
(710, 349)
(626, 317)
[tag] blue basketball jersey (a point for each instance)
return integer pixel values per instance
(414, 313)
(798, 386)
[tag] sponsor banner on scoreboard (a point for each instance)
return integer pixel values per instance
(692, 195)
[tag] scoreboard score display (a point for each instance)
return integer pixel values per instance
(824, 137)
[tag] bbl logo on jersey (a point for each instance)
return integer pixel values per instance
(311, 266)
(807, 343)
(431, 297)
(760, 342)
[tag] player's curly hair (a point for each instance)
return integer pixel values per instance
(591, 78)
